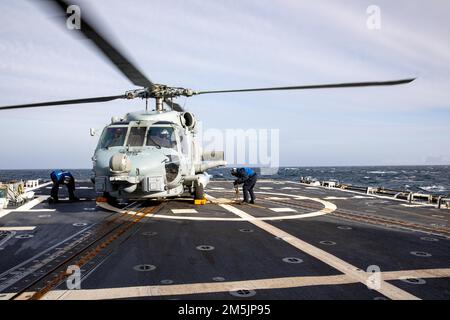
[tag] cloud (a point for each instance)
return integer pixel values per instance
(233, 44)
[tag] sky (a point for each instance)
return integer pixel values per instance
(231, 44)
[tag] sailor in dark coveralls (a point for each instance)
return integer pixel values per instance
(62, 177)
(247, 177)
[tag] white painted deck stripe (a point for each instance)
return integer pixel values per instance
(25, 207)
(195, 288)
(362, 197)
(335, 198)
(31, 204)
(17, 228)
(38, 187)
(351, 271)
(9, 236)
(416, 205)
(4, 213)
(37, 210)
(184, 211)
(283, 210)
(329, 207)
(212, 287)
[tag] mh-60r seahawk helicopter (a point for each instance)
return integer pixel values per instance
(153, 154)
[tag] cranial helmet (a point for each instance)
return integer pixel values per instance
(164, 133)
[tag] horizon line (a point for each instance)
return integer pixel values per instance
(285, 166)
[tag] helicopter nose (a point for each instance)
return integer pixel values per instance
(120, 163)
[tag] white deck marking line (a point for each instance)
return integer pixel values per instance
(17, 228)
(290, 196)
(217, 188)
(196, 288)
(7, 296)
(214, 287)
(31, 204)
(420, 273)
(26, 206)
(335, 198)
(277, 198)
(10, 235)
(386, 289)
(4, 213)
(177, 211)
(282, 209)
(362, 197)
(37, 210)
(416, 205)
(37, 266)
(329, 207)
(38, 187)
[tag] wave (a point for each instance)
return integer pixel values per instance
(434, 188)
(383, 172)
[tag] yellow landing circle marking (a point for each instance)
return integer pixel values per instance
(329, 207)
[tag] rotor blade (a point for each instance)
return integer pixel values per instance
(111, 52)
(62, 102)
(320, 86)
(175, 106)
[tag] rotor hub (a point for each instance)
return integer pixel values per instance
(159, 91)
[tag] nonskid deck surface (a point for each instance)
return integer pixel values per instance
(297, 242)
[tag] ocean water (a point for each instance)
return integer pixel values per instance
(426, 179)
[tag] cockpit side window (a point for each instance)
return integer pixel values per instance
(161, 137)
(113, 137)
(184, 143)
(136, 136)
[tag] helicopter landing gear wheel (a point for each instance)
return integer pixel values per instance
(199, 192)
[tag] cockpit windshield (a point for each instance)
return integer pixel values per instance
(161, 137)
(136, 137)
(113, 137)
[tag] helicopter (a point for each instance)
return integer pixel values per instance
(154, 154)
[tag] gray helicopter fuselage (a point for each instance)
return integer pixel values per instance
(151, 155)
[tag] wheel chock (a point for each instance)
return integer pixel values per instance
(199, 201)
